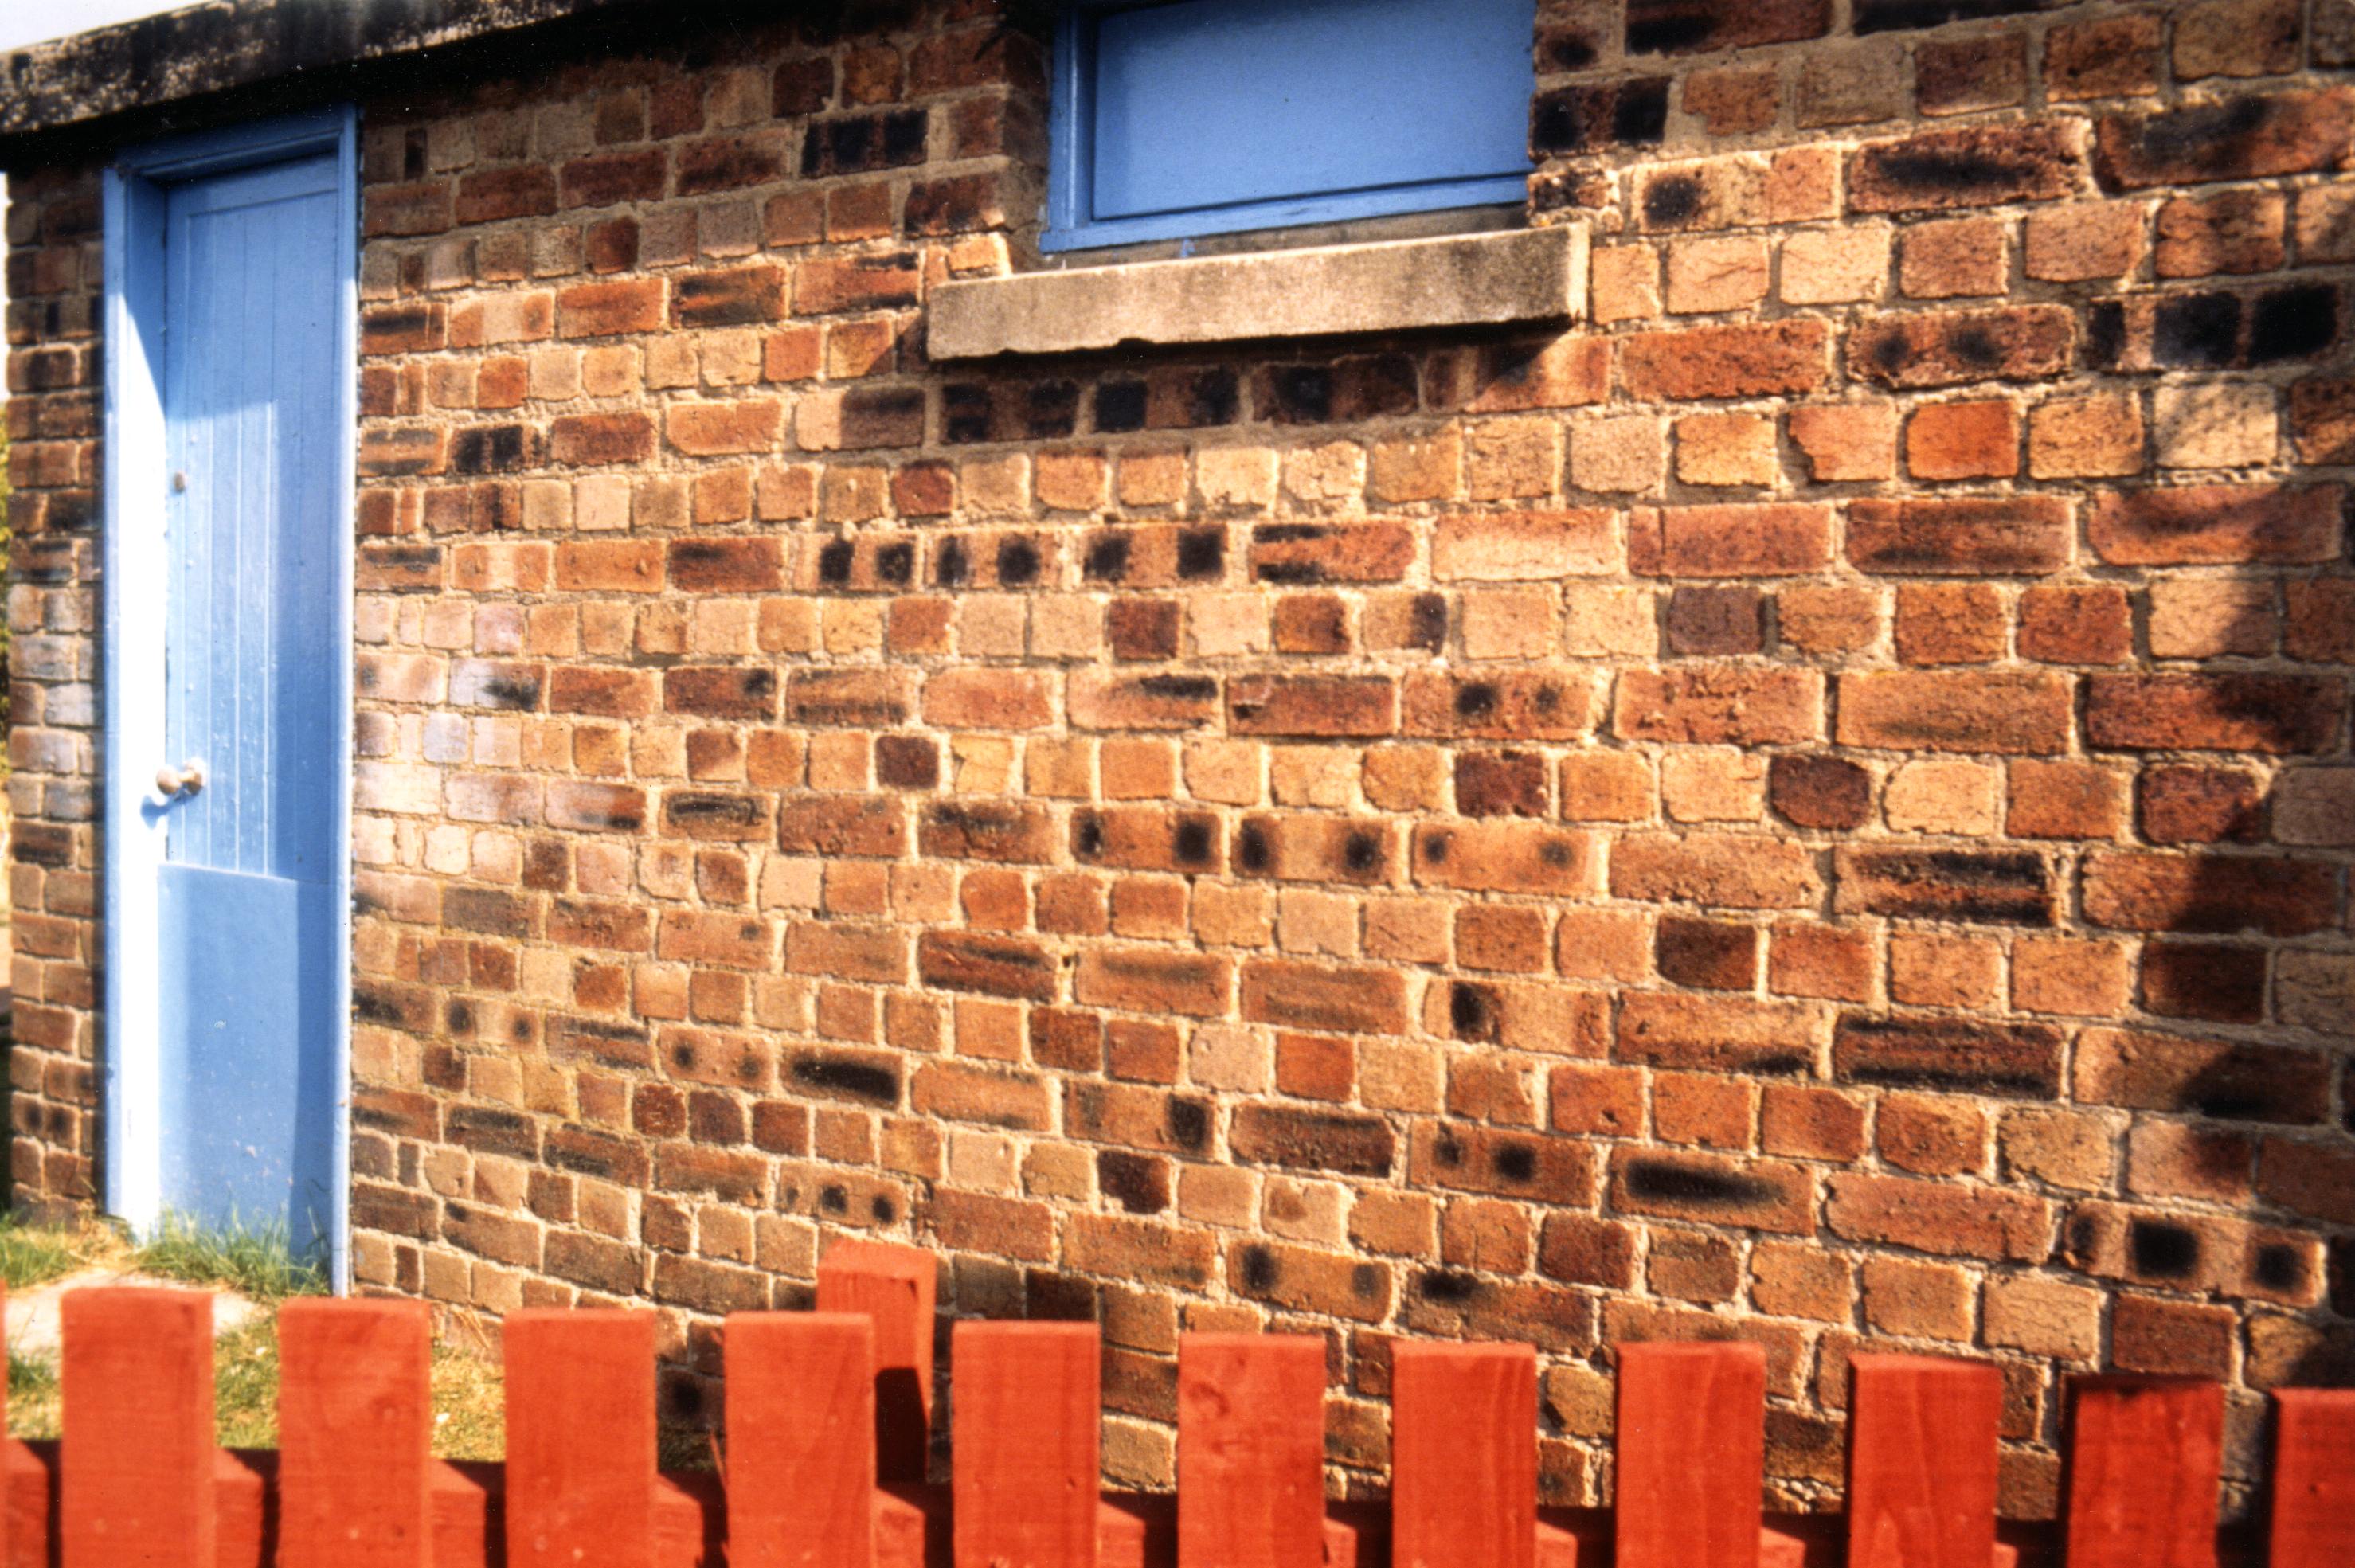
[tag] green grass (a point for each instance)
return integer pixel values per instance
(468, 1390)
(256, 1264)
(29, 1256)
(30, 1378)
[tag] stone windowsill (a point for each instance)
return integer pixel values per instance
(1466, 280)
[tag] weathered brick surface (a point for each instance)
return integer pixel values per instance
(1811, 806)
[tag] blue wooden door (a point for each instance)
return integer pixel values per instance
(246, 955)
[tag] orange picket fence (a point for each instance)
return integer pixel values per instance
(827, 1415)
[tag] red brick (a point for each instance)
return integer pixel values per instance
(1943, 1218)
(1468, 1158)
(1305, 1280)
(1740, 704)
(1509, 705)
(1954, 712)
(1964, 441)
(2312, 1179)
(2149, 1072)
(1950, 623)
(2212, 981)
(2007, 887)
(2248, 137)
(1009, 833)
(2179, 1338)
(1780, 358)
(1330, 552)
(1778, 539)
(1341, 1000)
(1765, 1195)
(2222, 712)
(1336, 705)
(874, 826)
(2222, 525)
(2107, 56)
(1949, 1055)
(1153, 981)
(601, 440)
(1948, 348)
(1980, 166)
(1718, 870)
(598, 310)
(1719, 1034)
(2090, 624)
(1504, 856)
(2209, 893)
(490, 196)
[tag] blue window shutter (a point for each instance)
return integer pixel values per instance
(1208, 116)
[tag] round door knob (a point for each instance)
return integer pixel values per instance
(186, 779)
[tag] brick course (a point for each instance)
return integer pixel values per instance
(1811, 808)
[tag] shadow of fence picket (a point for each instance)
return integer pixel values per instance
(827, 1415)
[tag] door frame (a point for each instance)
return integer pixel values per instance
(132, 577)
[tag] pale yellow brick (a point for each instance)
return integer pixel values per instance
(989, 625)
(1626, 283)
(1509, 622)
(1602, 622)
(2043, 1318)
(1721, 273)
(1727, 449)
(2221, 425)
(1326, 479)
(1425, 467)
(1514, 459)
(1066, 627)
(1236, 478)
(1629, 453)
(1227, 625)
(1311, 922)
(1313, 776)
(1941, 795)
(1225, 772)
(2207, 617)
(1235, 1057)
(1713, 784)
(1836, 266)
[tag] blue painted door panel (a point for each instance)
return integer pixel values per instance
(246, 966)
(1209, 103)
(248, 1106)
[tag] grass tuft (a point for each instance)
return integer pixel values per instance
(29, 1257)
(256, 1264)
(30, 1378)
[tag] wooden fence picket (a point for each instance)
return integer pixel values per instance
(2313, 1523)
(1691, 1454)
(895, 1287)
(801, 1440)
(1024, 1457)
(1251, 1450)
(2146, 1457)
(355, 1431)
(1464, 1455)
(137, 1465)
(1922, 1462)
(137, 1482)
(580, 1438)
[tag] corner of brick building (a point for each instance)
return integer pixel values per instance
(1813, 807)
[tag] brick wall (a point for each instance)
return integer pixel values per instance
(1814, 807)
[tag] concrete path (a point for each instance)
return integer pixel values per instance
(33, 1313)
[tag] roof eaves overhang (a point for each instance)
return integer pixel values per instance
(221, 46)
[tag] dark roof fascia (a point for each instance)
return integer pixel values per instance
(221, 46)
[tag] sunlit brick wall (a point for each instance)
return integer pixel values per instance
(1813, 807)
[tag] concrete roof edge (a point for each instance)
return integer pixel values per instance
(219, 45)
